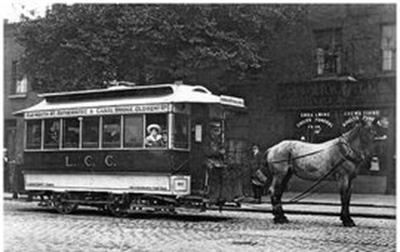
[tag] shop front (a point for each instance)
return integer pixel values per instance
(320, 111)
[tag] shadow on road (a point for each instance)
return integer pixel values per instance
(185, 217)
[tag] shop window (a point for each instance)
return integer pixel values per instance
(111, 132)
(156, 131)
(328, 51)
(90, 132)
(33, 134)
(52, 133)
(181, 131)
(388, 45)
(133, 131)
(71, 133)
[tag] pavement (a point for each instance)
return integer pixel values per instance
(361, 205)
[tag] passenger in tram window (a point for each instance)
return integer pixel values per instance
(54, 131)
(154, 138)
(164, 138)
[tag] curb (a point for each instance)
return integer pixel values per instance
(304, 212)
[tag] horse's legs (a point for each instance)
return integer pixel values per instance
(345, 185)
(277, 188)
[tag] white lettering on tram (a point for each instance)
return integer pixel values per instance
(88, 161)
(110, 161)
(68, 162)
(126, 109)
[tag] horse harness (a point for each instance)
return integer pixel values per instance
(349, 154)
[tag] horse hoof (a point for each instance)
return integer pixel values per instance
(281, 220)
(349, 223)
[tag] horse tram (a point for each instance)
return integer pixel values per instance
(130, 148)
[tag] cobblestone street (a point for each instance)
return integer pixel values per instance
(28, 227)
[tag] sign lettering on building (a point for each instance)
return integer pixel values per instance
(355, 115)
(314, 117)
(335, 94)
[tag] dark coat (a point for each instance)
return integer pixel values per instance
(256, 163)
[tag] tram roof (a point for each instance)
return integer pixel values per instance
(137, 95)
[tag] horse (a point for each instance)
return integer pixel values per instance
(337, 159)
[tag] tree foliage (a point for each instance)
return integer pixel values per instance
(84, 46)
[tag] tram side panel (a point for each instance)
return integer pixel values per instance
(119, 171)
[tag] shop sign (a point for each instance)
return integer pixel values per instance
(314, 117)
(355, 115)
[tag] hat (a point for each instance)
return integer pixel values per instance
(153, 126)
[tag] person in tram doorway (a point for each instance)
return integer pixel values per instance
(154, 138)
(258, 179)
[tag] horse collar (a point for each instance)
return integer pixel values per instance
(349, 152)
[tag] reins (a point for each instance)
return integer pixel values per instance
(306, 193)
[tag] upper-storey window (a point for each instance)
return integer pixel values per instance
(388, 45)
(328, 51)
(20, 81)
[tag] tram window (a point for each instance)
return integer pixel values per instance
(71, 133)
(111, 131)
(90, 132)
(133, 131)
(33, 134)
(51, 133)
(156, 131)
(181, 131)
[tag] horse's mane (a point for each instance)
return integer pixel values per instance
(352, 134)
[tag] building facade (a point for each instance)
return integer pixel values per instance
(17, 94)
(340, 66)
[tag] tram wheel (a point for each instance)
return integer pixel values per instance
(61, 204)
(118, 206)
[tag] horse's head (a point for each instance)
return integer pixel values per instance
(362, 136)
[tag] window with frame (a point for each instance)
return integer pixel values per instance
(90, 132)
(328, 51)
(20, 80)
(181, 131)
(156, 131)
(111, 132)
(133, 131)
(33, 134)
(388, 45)
(51, 133)
(71, 133)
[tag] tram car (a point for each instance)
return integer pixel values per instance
(129, 148)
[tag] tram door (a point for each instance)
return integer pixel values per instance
(207, 138)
